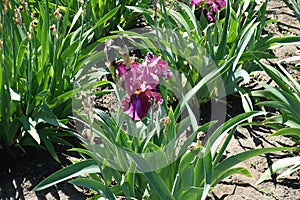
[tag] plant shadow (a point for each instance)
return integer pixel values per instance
(20, 172)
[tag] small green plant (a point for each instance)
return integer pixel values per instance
(286, 99)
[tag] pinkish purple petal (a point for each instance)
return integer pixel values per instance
(157, 66)
(208, 15)
(120, 69)
(222, 3)
(133, 79)
(195, 2)
(216, 5)
(136, 105)
(157, 98)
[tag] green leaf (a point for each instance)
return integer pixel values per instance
(139, 10)
(289, 171)
(224, 146)
(158, 184)
(82, 151)
(191, 16)
(189, 193)
(244, 42)
(20, 57)
(29, 126)
(205, 80)
(296, 85)
(48, 142)
(226, 164)
(216, 138)
(279, 165)
(187, 177)
(283, 41)
(94, 185)
(232, 171)
(78, 169)
(181, 20)
(287, 132)
(222, 46)
(199, 172)
(191, 138)
(279, 78)
(75, 19)
(45, 36)
(106, 17)
(249, 55)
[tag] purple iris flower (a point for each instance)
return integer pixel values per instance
(141, 81)
(208, 15)
(216, 5)
(195, 2)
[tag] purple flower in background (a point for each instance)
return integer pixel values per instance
(195, 2)
(141, 81)
(216, 5)
(208, 15)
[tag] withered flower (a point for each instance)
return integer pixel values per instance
(57, 14)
